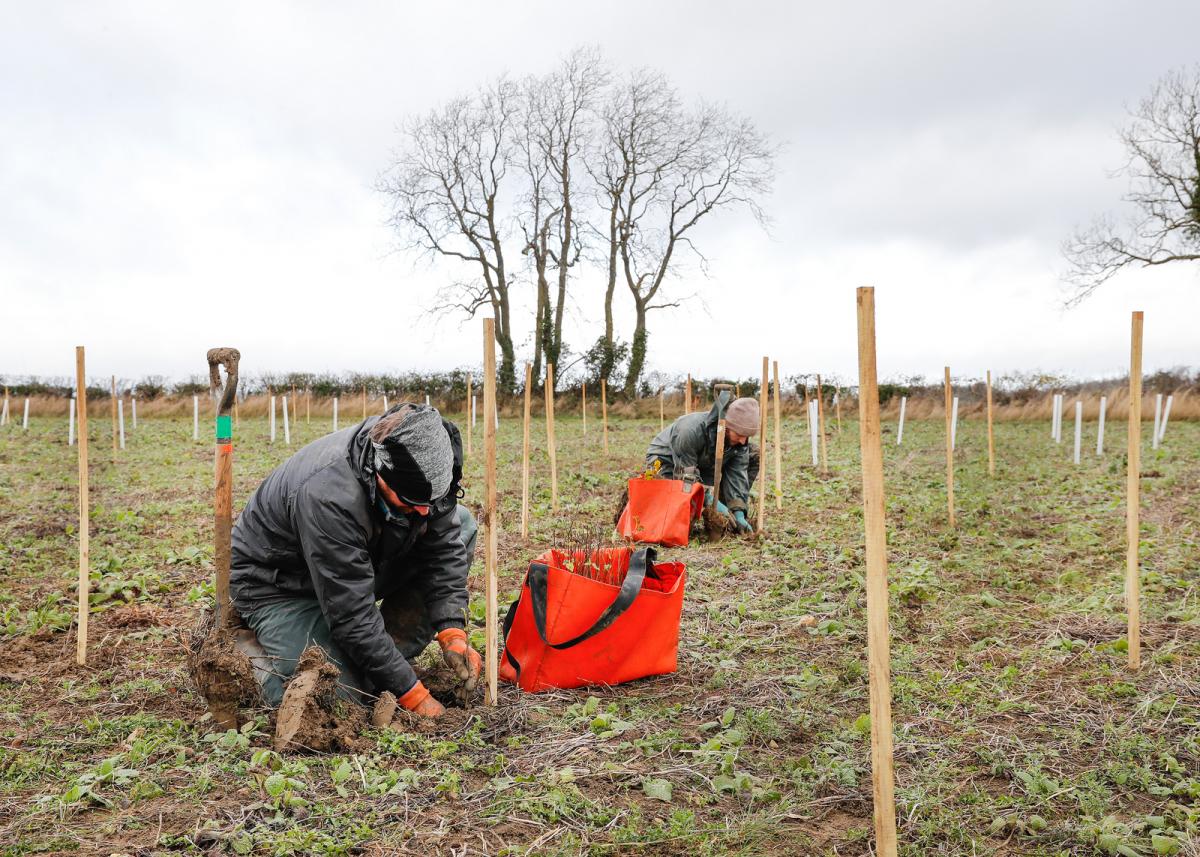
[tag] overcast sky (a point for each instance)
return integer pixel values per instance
(178, 177)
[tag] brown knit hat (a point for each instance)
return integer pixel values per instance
(742, 416)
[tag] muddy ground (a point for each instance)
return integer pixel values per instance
(1018, 728)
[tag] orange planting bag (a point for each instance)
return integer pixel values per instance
(598, 618)
(661, 511)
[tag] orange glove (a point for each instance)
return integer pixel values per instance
(460, 657)
(420, 701)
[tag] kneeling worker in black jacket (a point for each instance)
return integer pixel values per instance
(365, 514)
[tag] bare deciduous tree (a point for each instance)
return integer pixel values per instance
(1162, 142)
(662, 170)
(445, 187)
(558, 113)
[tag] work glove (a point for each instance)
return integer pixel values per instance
(739, 518)
(460, 657)
(420, 701)
(708, 501)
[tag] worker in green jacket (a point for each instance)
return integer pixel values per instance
(686, 449)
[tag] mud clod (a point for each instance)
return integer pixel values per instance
(311, 716)
(385, 710)
(224, 677)
(717, 525)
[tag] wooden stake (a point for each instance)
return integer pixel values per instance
(762, 444)
(812, 433)
(949, 451)
(224, 398)
(878, 634)
(525, 454)
(778, 445)
(719, 461)
(687, 395)
(1133, 604)
(991, 441)
(604, 411)
(550, 446)
(113, 399)
(1100, 426)
(490, 517)
(821, 427)
(84, 525)
(308, 406)
(583, 403)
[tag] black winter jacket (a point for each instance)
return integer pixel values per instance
(314, 528)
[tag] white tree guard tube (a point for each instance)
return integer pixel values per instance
(1162, 428)
(1078, 428)
(71, 423)
(1157, 420)
(1100, 428)
(287, 426)
(954, 424)
(133, 411)
(900, 429)
(25, 416)
(335, 400)
(121, 420)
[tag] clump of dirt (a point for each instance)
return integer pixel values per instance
(222, 674)
(311, 717)
(717, 525)
(449, 690)
(621, 504)
(384, 710)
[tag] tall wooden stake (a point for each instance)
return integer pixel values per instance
(719, 462)
(525, 454)
(1133, 605)
(84, 565)
(113, 399)
(550, 445)
(687, 395)
(991, 440)
(778, 446)
(821, 426)
(583, 403)
(762, 444)
(949, 451)
(604, 411)
(493, 524)
(223, 492)
(878, 636)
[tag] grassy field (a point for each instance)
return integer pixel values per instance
(1018, 729)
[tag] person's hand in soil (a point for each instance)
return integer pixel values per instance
(460, 657)
(743, 526)
(420, 701)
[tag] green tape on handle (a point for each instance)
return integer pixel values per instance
(224, 430)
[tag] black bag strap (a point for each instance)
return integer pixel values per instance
(639, 563)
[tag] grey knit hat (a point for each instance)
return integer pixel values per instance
(413, 454)
(743, 416)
